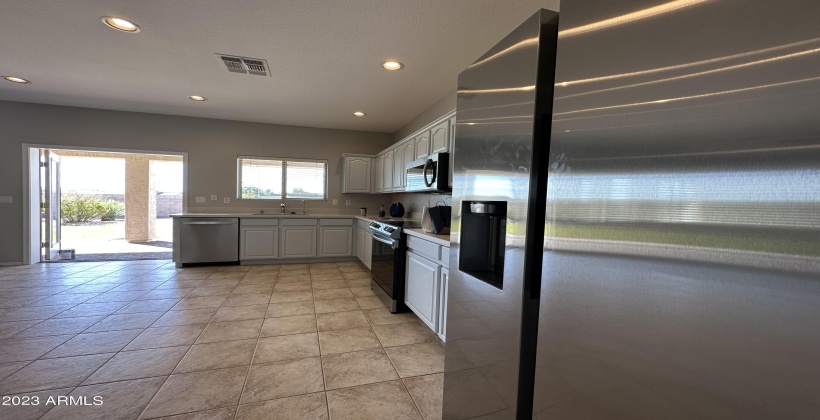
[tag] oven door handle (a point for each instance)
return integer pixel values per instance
(385, 241)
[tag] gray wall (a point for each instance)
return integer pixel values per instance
(414, 202)
(444, 105)
(212, 147)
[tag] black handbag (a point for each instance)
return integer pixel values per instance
(440, 216)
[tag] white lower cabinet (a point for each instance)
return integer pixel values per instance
(335, 241)
(289, 238)
(422, 288)
(364, 248)
(444, 281)
(259, 243)
(298, 241)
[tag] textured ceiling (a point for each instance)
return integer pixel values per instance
(325, 57)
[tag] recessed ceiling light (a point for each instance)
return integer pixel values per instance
(16, 79)
(197, 98)
(359, 114)
(392, 65)
(120, 24)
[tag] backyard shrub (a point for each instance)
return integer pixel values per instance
(75, 208)
(113, 209)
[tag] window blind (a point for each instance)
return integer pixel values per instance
(262, 178)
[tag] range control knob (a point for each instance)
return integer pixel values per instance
(375, 225)
(389, 229)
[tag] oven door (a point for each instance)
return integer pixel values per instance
(387, 271)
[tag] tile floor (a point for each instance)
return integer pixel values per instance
(297, 341)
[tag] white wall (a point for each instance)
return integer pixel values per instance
(212, 147)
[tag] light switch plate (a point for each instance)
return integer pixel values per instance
(335, 202)
(226, 200)
(347, 202)
(200, 199)
(214, 197)
(5, 199)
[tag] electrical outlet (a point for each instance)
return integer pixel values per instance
(335, 202)
(226, 200)
(200, 199)
(214, 197)
(347, 202)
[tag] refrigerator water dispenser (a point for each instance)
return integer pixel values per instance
(483, 233)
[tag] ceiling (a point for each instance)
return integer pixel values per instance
(325, 57)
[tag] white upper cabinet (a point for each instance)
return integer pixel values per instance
(440, 137)
(409, 152)
(357, 175)
(378, 174)
(422, 142)
(398, 168)
(387, 172)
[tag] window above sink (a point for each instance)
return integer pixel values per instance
(271, 178)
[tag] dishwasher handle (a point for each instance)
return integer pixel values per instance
(189, 222)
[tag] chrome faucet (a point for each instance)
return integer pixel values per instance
(304, 209)
(282, 206)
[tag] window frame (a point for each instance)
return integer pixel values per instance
(284, 161)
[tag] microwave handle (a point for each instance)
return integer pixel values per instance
(429, 164)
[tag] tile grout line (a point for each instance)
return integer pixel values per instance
(183, 357)
(211, 321)
(253, 355)
(319, 344)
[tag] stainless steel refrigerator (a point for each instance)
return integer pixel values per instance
(636, 215)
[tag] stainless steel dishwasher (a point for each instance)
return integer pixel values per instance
(208, 239)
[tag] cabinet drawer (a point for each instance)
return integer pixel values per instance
(299, 222)
(260, 222)
(425, 248)
(336, 222)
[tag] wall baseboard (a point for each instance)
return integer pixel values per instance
(12, 263)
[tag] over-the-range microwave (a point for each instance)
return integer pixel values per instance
(429, 174)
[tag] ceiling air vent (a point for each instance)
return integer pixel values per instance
(233, 64)
(255, 66)
(258, 67)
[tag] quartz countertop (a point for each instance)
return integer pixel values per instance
(443, 240)
(270, 215)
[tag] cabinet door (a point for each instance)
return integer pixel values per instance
(444, 277)
(398, 168)
(259, 243)
(357, 176)
(422, 143)
(368, 250)
(359, 245)
(440, 138)
(298, 241)
(335, 241)
(378, 174)
(421, 288)
(409, 155)
(387, 171)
